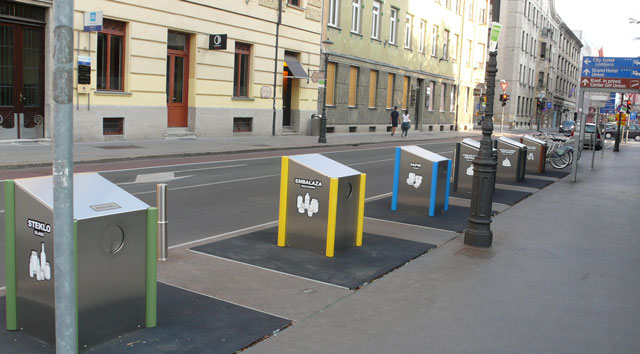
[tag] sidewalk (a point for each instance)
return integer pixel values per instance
(562, 276)
(26, 153)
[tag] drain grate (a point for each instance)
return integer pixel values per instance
(119, 147)
(476, 253)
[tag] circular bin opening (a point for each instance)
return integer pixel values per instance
(113, 239)
(349, 190)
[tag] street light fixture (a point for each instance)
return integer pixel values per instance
(322, 139)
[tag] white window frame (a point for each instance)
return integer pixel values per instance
(434, 40)
(423, 34)
(375, 20)
(471, 10)
(452, 106)
(443, 93)
(334, 12)
(456, 38)
(393, 25)
(355, 16)
(408, 31)
(445, 44)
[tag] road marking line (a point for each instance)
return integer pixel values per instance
(270, 223)
(211, 168)
(211, 184)
(270, 270)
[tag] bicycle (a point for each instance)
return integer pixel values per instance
(559, 152)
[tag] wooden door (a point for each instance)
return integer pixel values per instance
(177, 79)
(21, 76)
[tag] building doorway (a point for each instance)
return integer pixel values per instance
(291, 71)
(177, 79)
(286, 97)
(21, 81)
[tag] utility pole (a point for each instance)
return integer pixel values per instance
(616, 146)
(478, 233)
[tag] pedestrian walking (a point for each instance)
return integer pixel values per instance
(394, 120)
(406, 123)
(530, 119)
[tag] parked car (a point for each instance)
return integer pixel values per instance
(634, 132)
(589, 130)
(567, 126)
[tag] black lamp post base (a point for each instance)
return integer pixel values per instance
(478, 238)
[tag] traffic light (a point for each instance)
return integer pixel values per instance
(504, 98)
(539, 104)
(628, 106)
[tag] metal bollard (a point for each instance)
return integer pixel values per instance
(161, 198)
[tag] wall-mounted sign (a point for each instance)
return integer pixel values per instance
(217, 41)
(84, 70)
(93, 21)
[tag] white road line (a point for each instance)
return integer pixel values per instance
(267, 269)
(366, 162)
(270, 223)
(211, 168)
(211, 184)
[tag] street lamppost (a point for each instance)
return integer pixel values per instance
(478, 233)
(322, 138)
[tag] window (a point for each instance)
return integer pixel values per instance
(353, 86)
(543, 50)
(482, 13)
(391, 78)
(458, 7)
(431, 92)
(448, 4)
(375, 20)
(241, 70)
(242, 124)
(443, 90)
(110, 69)
(355, 16)
(423, 29)
(470, 10)
(470, 52)
(518, 110)
(480, 55)
(456, 40)
(334, 6)
(373, 85)
(405, 93)
(522, 41)
(434, 41)
(408, 29)
(297, 3)
(466, 105)
(393, 25)
(445, 45)
(520, 74)
(452, 100)
(112, 126)
(331, 84)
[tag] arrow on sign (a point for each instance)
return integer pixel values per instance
(585, 82)
(587, 61)
(586, 71)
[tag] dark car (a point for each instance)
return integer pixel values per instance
(634, 132)
(567, 126)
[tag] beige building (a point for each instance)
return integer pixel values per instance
(161, 68)
(426, 56)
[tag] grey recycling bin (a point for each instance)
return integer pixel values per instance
(420, 180)
(466, 151)
(321, 204)
(111, 247)
(512, 159)
(314, 126)
(536, 154)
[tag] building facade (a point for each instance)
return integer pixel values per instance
(170, 68)
(539, 56)
(426, 57)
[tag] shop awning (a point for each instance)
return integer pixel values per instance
(294, 67)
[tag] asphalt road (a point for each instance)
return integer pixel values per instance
(209, 198)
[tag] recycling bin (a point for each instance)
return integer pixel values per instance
(536, 154)
(321, 204)
(114, 281)
(420, 181)
(512, 159)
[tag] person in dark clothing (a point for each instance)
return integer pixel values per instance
(394, 120)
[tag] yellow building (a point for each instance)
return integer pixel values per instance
(166, 68)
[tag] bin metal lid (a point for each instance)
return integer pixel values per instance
(423, 153)
(472, 143)
(324, 165)
(511, 142)
(93, 195)
(535, 140)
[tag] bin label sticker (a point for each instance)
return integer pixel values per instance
(104, 207)
(507, 152)
(307, 183)
(307, 204)
(39, 228)
(415, 165)
(530, 156)
(468, 157)
(470, 171)
(414, 180)
(531, 148)
(39, 268)
(506, 162)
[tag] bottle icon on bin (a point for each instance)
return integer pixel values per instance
(308, 204)
(39, 268)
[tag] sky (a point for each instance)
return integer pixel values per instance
(605, 24)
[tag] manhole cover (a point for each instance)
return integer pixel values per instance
(119, 147)
(476, 253)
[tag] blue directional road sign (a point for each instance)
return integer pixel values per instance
(610, 62)
(633, 116)
(549, 105)
(607, 110)
(620, 73)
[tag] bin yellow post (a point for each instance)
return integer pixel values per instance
(282, 217)
(359, 230)
(331, 222)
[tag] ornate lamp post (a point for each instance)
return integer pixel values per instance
(323, 118)
(478, 233)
